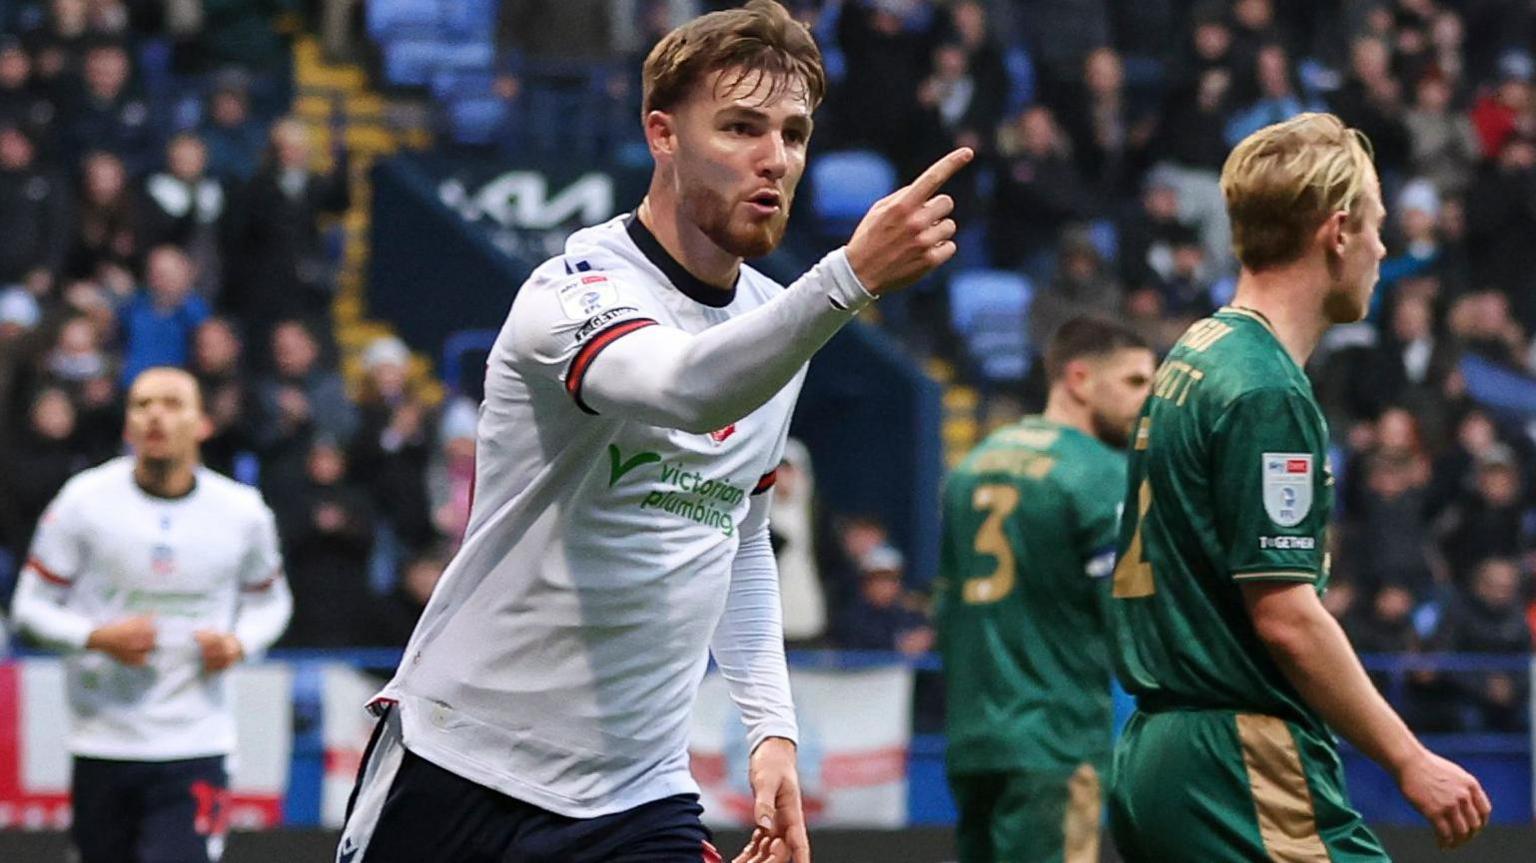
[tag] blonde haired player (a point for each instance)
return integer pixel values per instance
(154, 575)
(1241, 677)
(637, 403)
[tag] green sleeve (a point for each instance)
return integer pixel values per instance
(1097, 502)
(1268, 482)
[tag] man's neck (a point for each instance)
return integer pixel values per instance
(661, 214)
(1062, 409)
(1289, 299)
(168, 479)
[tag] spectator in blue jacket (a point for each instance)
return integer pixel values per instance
(159, 321)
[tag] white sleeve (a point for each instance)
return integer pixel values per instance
(749, 641)
(265, 601)
(40, 606)
(622, 362)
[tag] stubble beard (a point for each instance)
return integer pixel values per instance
(1116, 434)
(711, 212)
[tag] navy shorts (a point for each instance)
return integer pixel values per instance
(405, 809)
(150, 811)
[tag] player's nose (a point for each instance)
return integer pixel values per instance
(773, 162)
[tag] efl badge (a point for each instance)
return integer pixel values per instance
(1287, 487)
(587, 295)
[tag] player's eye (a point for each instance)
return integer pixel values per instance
(739, 128)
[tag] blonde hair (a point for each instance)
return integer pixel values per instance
(759, 38)
(1283, 181)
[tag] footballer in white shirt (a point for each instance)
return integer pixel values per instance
(153, 575)
(637, 403)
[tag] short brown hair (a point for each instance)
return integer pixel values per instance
(1087, 336)
(1284, 180)
(760, 38)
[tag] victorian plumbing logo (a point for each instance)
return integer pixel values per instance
(683, 493)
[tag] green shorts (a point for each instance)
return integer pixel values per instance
(1028, 817)
(1211, 786)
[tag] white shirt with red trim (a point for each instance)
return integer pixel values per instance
(559, 659)
(105, 550)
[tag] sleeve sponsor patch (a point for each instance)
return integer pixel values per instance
(1287, 486)
(1101, 564)
(586, 295)
(596, 323)
(1288, 543)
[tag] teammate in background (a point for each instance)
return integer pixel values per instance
(1240, 675)
(1030, 519)
(637, 403)
(155, 575)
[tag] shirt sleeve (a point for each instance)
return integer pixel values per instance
(265, 603)
(40, 606)
(748, 644)
(1269, 481)
(621, 361)
(1097, 503)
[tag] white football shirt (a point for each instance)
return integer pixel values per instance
(104, 550)
(560, 656)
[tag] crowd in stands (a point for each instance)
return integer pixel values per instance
(157, 208)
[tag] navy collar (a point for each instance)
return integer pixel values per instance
(692, 287)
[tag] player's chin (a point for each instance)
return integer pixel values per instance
(754, 240)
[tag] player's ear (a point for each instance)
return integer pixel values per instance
(204, 427)
(661, 133)
(1333, 230)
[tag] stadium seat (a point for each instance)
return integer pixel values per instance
(845, 184)
(477, 119)
(989, 310)
(415, 62)
(1021, 79)
(388, 17)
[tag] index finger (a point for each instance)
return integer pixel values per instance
(930, 181)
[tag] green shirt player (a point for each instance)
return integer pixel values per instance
(1030, 519)
(1239, 673)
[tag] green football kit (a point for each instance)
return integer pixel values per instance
(1228, 484)
(1030, 519)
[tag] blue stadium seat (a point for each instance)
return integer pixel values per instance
(474, 18)
(451, 84)
(477, 120)
(386, 17)
(416, 62)
(989, 310)
(845, 184)
(1021, 79)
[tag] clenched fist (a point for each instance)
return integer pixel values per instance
(128, 641)
(908, 233)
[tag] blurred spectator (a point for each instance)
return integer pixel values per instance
(80, 364)
(298, 402)
(216, 363)
(1191, 140)
(1109, 131)
(1442, 144)
(953, 112)
(107, 114)
(984, 63)
(1490, 618)
(159, 322)
(889, 48)
(1384, 625)
(395, 615)
(1059, 35)
(107, 231)
(1499, 225)
(277, 267)
(58, 49)
(1277, 98)
(234, 138)
(390, 452)
(1482, 323)
(36, 465)
(245, 33)
(1038, 192)
(1371, 100)
(1082, 285)
(327, 531)
(451, 473)
(882, 618)
(793, 533)
(34, 215)
(19, 316)
(1389, 535)
(22, 102)
(1504, 108)
(185, 207)
(1488, 520)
